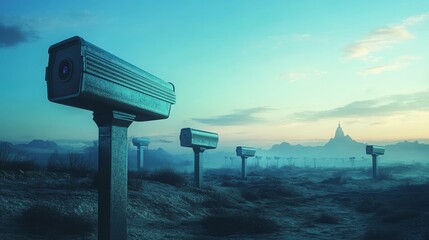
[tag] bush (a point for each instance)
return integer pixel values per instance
(383, 234)
(135, 180)
(16, 165)
(266, 192)
(384, 174)
(45, 220)
(241, 223)
(218, 200)
(73, 163)
(367, 205)
(327, 219)
(337, 180)
(168, 176)
(399, 216)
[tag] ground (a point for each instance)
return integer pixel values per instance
(272, 203)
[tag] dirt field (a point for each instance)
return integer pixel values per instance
(285, 203)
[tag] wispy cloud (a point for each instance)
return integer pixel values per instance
(376, 107)
(382, 38)
(399, 63)
(22, 28)
(163, 141)
(11, 35)
(239, 117)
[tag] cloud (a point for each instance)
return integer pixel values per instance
(383, 38)
(239, 117)
(163, 141)
(399, 63)
(14, 34)
(385, 106)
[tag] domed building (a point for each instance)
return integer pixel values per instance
(339, 132)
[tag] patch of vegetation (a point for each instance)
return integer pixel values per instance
(19, 165)
(367, 205)
(225, 224)
(218, 200)
(135, 179)
(383, 234)
(399, 216)
(267, 188)
(45, 220)
(73, 163)
(384, 174)
(168, 176)
(327, 219)
(336, 180)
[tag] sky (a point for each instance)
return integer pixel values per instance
(256, 72)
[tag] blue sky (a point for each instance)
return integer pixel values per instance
(256, 72)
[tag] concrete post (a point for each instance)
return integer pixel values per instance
(374, 166)
(243, 167)
(198, 166)
(141, 144)
(112, 172)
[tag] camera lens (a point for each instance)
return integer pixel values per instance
(65, 69)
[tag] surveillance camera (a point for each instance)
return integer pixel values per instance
(82, 75)
(245, 151)
(374, 150)
(190, 137)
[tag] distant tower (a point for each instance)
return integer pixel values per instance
(339, 133)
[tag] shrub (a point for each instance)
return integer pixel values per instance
(16, 165)
(218, 200)
(384, 174)
(399, 216)
(327, 219)
(73, 163)
(135, 179)
(225, 224)
(383, 234)
(337, 180)
(367, 205)
(168, 176)
(45, 220)
(266, 192)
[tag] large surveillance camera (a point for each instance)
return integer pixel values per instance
(245, 151)
(82, 75)
(374, 150)
(190, 137)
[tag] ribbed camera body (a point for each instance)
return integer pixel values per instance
(82, 75)
(374, 150)
(190, 137)
(245, 151)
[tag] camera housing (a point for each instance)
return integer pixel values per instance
(82, 75)
(245, 151)
(190, 137)
(374, 150)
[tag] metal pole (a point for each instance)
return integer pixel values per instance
(243, 167)
(374, 166)
(198, 166)
(112, 172)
